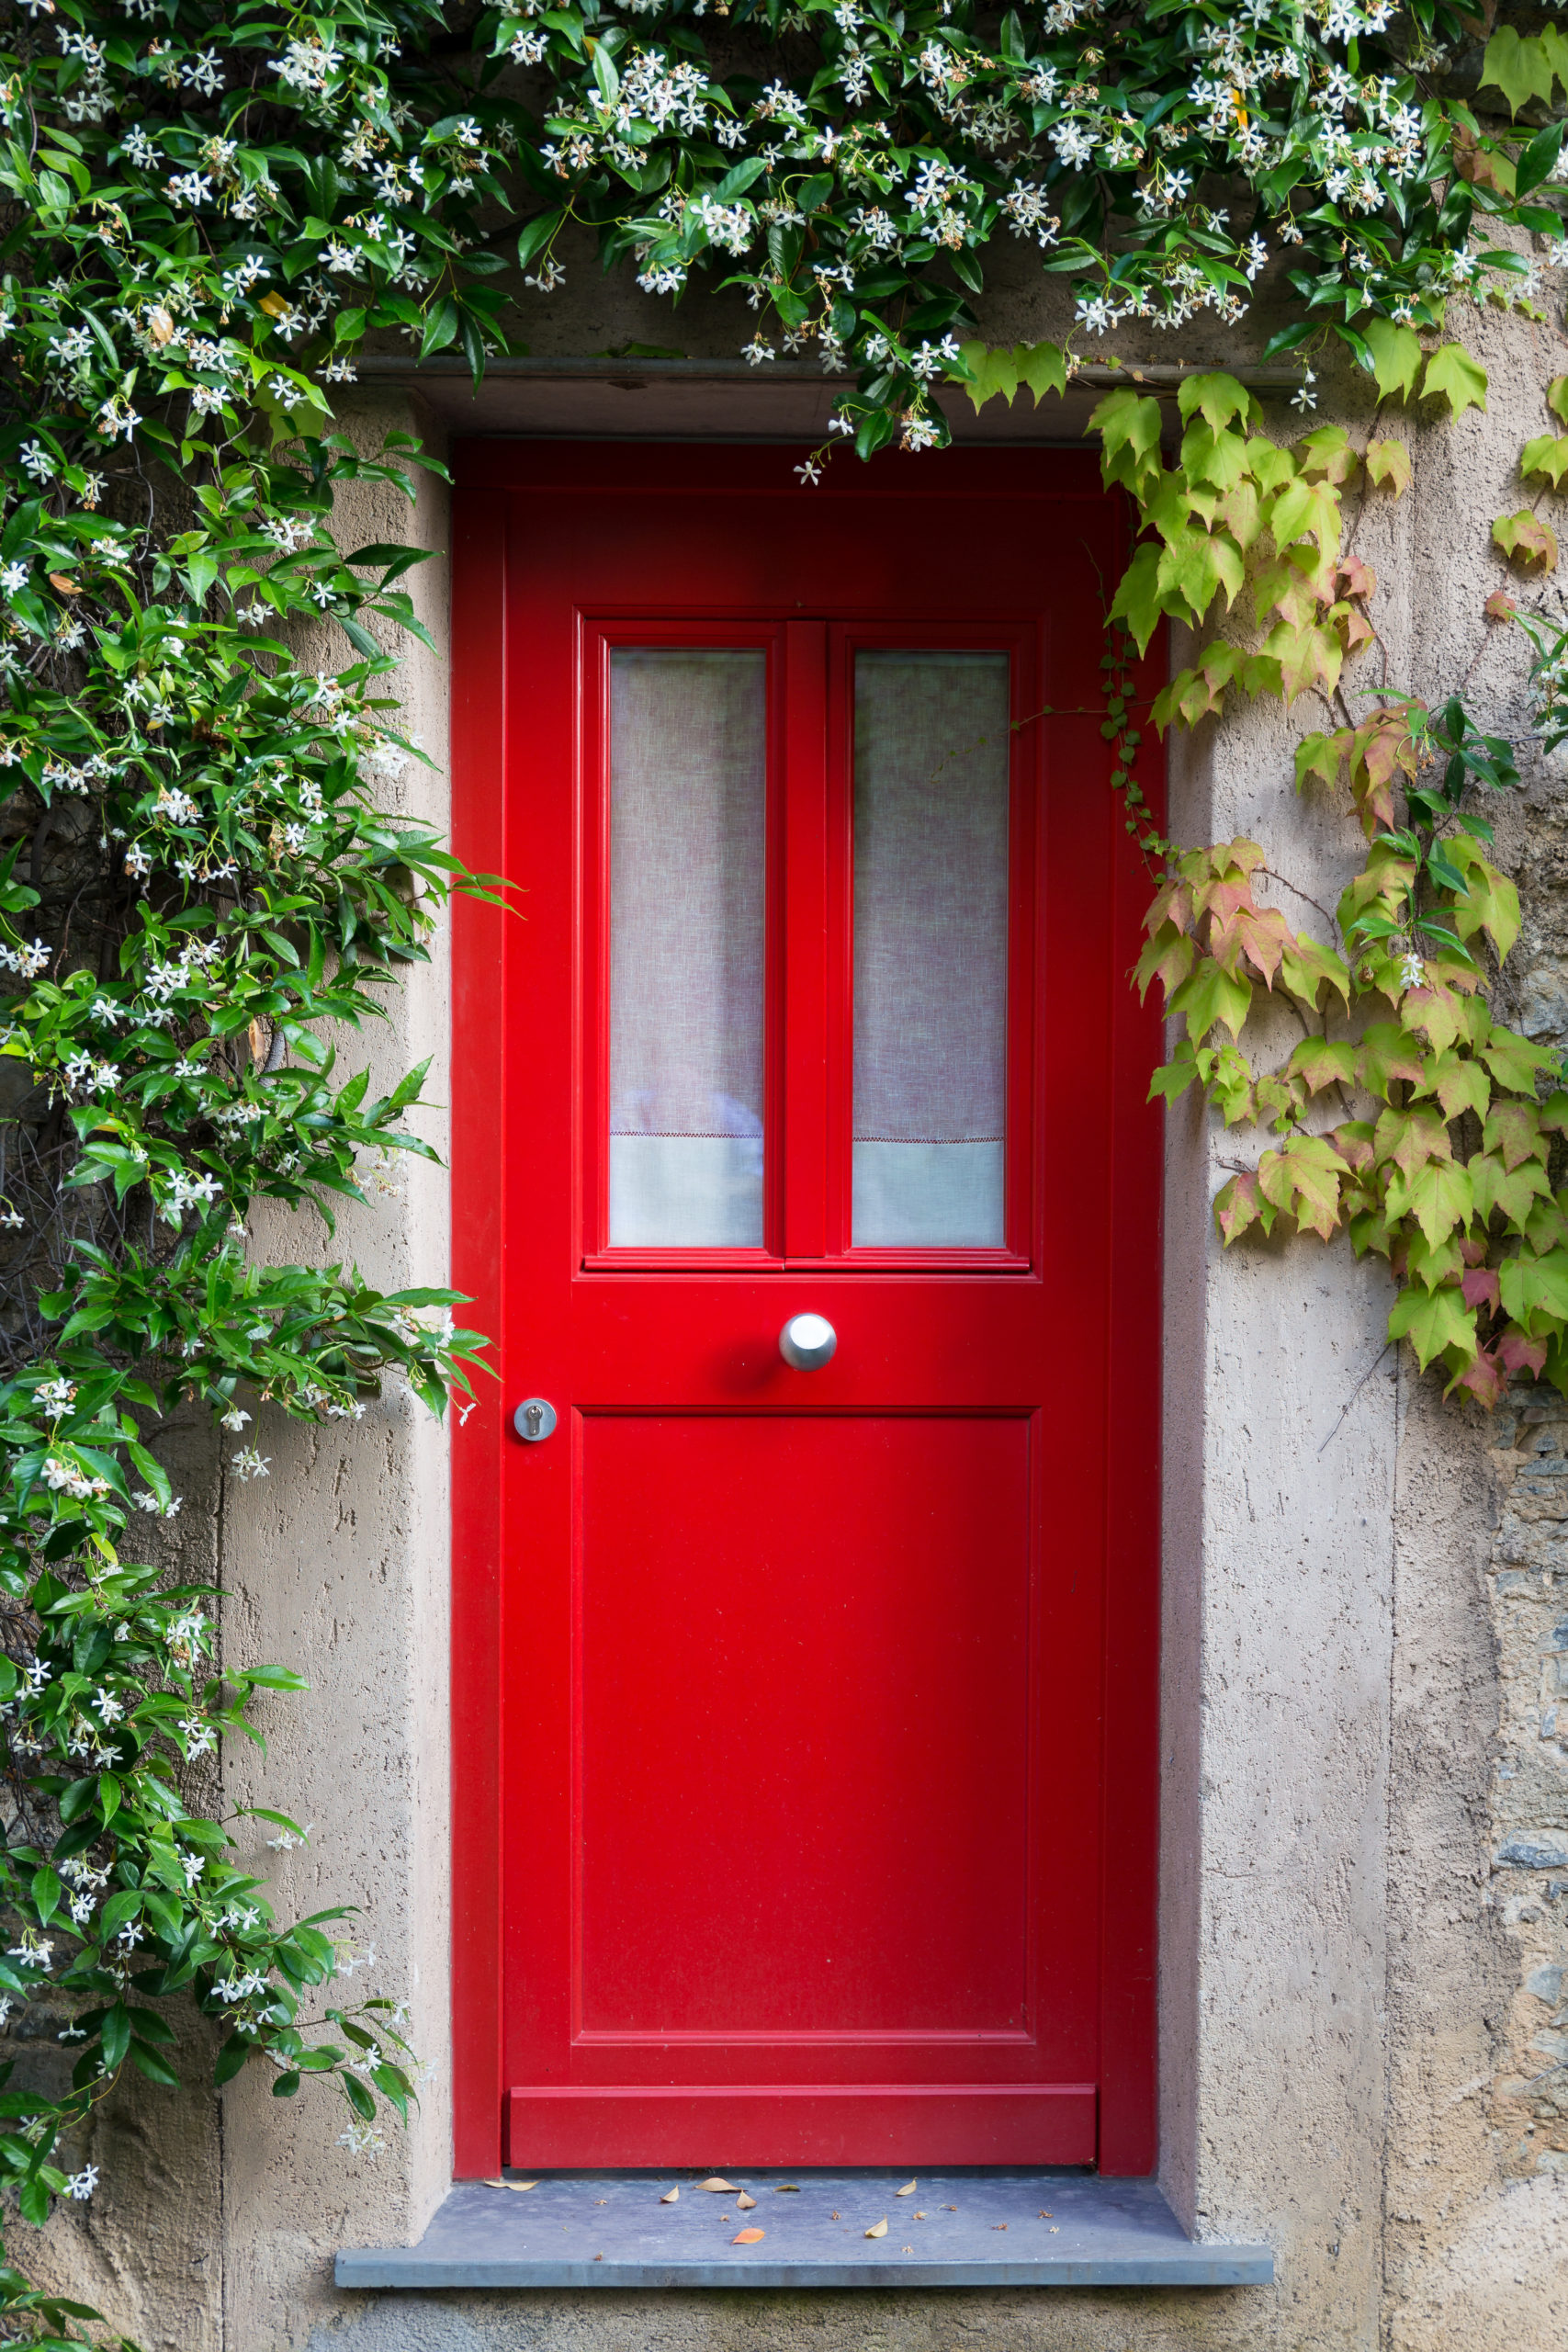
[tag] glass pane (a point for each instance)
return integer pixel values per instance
(688, 730)
(930, 931)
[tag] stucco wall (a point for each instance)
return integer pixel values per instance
(1365, 1592)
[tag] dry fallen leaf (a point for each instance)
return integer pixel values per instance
(1045, 2213)
(999, 2225)
(670, 2197)
(878, 2229)
(920, 2217)
(746, 2237)
(952, 2208)
(63, 582)
(601, 2200)
(787, 2188)
(906, 2249)
(832, 2217)
(519, 2184)
(495, 2184)
(745, 2202)
(908, 2188)
(1056, 2230)
(719, 2187)
(598, 2257)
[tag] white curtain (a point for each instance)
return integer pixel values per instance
(688, 734)
(930, 921)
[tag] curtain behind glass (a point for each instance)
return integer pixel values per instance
(688, 730)
(930, 922)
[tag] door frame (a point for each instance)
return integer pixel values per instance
(490, 477)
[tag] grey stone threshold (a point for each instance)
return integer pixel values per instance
(956, 2229)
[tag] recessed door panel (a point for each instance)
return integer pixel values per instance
(803, 1725)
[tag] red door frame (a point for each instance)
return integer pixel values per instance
(491, 476)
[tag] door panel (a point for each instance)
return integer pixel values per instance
(818, 1782)
(803, 1725)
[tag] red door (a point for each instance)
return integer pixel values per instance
(807, 1710)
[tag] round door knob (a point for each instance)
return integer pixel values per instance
(807, 1342)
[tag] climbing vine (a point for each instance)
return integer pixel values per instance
(206, 212)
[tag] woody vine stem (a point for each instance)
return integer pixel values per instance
(209, 208)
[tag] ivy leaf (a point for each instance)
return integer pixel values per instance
(1453, 375)
(1512, 1193)
(1458, 1084)
(1303, 1177)
(1536, 1289)
(1043, 367)
(1137, 599)
(1513, 1061)
(1218, 398)
(1320, 1063)
(1524, 68)
(1526, 540)
(1128, 429)
(1407, 1139)
(1388, 462)
(1513, 1130)
(1239, 1205)
(993, 373)
(1306, 966)
(1438, 1196)
(1209, 995)
(1395, 353)
(1434, 1321)
(1545, 458)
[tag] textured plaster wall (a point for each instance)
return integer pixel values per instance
(1365, 1872)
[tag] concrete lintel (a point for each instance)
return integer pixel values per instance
(959, 2229)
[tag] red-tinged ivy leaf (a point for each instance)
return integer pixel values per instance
(1386, 1053)
(1307, 657)
(1355, 629)
(1513, 1061)
(1356, 578)
(1509, 1193)
(1536, 1290)
(1451, 374)
(1167, 958)
(1283, 588)
(1324, 453)
(1526, 540)
(1239, 1205)
(1458, 1085)
(1408, 1139)
(1240, 510)
(1438, 1196)
(1321, 1064)
(1240, 927)
(1191, 695)
(1173, 903)
(1279, 1100)
(1518, 1352)
(1485, 1378)
(1353, 1140)
(1211, 994)
(1480, 1288)
(1433, 1321)
(1388, 465)
(1303, 1179)
(1545, 458)
(1435, 1011)
(1513, 1130)
(1499, 605)
(1546, 1226)
(1320, 755)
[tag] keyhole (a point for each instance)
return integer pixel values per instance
(534, 1416)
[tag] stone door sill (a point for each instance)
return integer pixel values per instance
(957, 2229)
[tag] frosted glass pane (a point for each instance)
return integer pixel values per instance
(688, 731)
(930, 935)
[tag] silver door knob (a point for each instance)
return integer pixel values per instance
(807, 1342)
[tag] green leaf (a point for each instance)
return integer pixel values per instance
(1395, 353)
(1453, 375)
(1434, 1321)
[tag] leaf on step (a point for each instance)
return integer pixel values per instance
(878, 2229)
